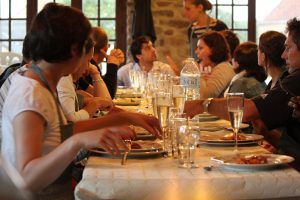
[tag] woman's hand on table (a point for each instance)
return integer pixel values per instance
(150, 123)
(110, 139)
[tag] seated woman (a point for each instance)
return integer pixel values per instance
(271, 47)
(250, 76)
(213, 51)
(70, 101)
(36, 138)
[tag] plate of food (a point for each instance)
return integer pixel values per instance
(226, 138)
(139, 148)
(241, 162)
(127, 101)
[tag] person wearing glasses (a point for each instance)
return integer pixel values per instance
(272, 107)
(113, 60)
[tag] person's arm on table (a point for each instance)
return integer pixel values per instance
(218, 107)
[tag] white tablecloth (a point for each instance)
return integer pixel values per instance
(161, 179)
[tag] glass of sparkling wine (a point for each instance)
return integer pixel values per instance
(163, 104)
(178, 94)
(235, 105)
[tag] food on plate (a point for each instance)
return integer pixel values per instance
(253, 159)
(135, 145)
(231, 136)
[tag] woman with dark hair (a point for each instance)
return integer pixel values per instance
(196, 12)
(270, 48)
(37, 139)
(213, 51)
(250, 78)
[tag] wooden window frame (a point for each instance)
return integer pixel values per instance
(251, 17)
(121, 10)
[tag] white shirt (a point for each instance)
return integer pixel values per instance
(216, 83)
(26, 94)
(67, 97)
(123, 72)
(3, 93)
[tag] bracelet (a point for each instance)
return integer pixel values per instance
(98, 81)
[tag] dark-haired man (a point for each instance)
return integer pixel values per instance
(145, 59)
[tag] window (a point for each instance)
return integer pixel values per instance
(12, 25)
(42, 3)
(273, 15)
(102, 13)
(234, 13)
(16, 16)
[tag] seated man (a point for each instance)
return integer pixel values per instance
(145, 59)
(272, 108)
(114, 59)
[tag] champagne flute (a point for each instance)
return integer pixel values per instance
(178, 93)
(235, 105)
(163, 103)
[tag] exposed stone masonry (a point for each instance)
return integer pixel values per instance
(170, 26)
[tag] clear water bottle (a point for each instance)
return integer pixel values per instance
(190, 77)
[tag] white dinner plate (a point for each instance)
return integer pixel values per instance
(231, 162)
(148, 148)
(204, 117)
(217, 138)
(217, 125)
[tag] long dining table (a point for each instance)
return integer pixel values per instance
(159, 178)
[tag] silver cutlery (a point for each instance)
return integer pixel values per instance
(127, 151)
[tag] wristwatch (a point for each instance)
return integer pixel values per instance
(205, 104)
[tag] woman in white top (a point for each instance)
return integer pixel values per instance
(33, 127)
(100, 99)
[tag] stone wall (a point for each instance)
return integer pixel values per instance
(170, 26)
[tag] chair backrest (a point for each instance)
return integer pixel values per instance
(9, 58)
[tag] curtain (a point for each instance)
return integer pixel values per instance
(142, 20)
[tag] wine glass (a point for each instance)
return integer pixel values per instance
(163, 104)
(178, 93)
(235, 105)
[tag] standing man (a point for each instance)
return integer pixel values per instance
(271, 108)
(145, 59)
(114, 59)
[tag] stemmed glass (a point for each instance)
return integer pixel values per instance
(235, 105)
(178, 94)
(163, 103)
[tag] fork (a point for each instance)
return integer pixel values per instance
(128, 145)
